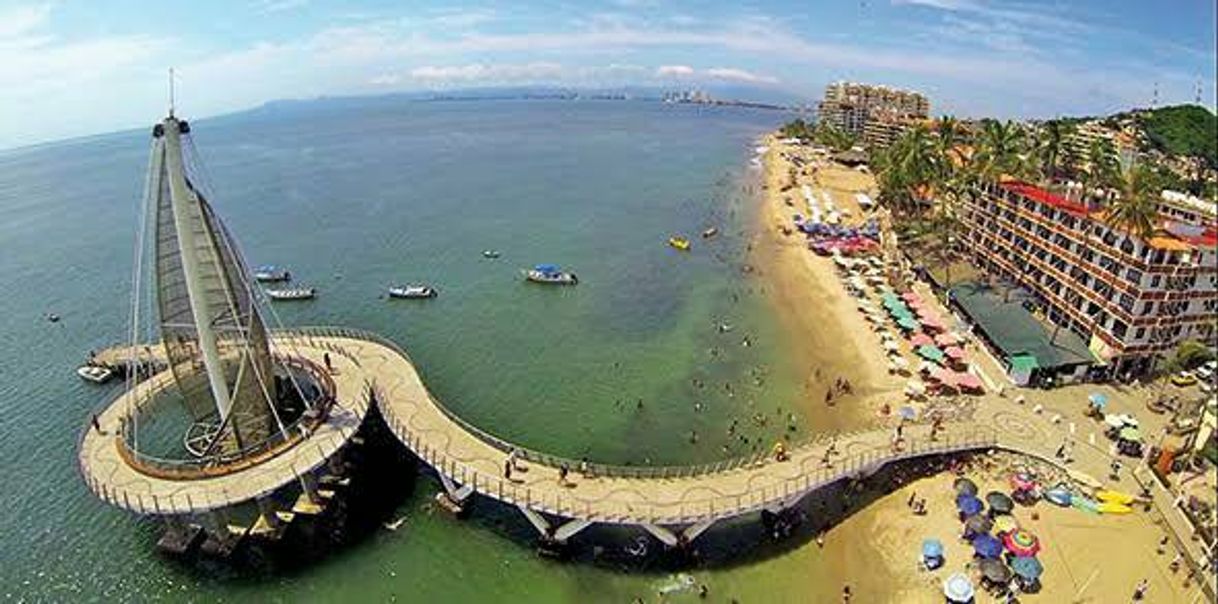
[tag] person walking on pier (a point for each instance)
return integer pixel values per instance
(507, 469)
(326, 358)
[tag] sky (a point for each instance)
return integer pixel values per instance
(78, 67)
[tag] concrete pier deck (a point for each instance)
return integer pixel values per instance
(114, 480)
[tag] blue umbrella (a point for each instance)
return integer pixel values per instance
(987, 546)
(969, 504)
(932, 548)
(1098, 399)
(907, 412)
(1027, 567)
(958, 588)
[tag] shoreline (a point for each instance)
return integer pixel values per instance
(826, 337)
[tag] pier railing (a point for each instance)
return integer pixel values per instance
(557, 461)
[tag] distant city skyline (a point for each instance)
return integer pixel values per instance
(70, 69)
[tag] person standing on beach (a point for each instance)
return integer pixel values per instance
(1139, 592)
(507, 469)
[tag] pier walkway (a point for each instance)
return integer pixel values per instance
(673, 503)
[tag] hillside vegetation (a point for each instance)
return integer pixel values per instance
(1183, 130)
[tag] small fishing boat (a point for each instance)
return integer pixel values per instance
(94, 373)
(550, 274)
(679, 243)
(711, 232)
(293, 293)
(492, 254)
(413, 291)
(271, 274)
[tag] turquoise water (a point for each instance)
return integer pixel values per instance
(352, 197)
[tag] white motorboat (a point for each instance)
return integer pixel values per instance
(94, 373)
(293, 293)
(550, 274)
(491, 254)
(270, 274)
(413, 291)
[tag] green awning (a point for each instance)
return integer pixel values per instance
(1024, 363)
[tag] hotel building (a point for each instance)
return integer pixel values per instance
(873, 113)
(1132, 300)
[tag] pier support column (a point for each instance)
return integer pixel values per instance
(664, 535)
(457, 493)
(266, 507)
(308, 484)
(537, 520)
(692, 531)
(569, 529)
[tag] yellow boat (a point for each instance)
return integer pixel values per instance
(1115, 497)
(680, 243)
(1109, 507)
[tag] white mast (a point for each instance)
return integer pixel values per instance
(185, 205)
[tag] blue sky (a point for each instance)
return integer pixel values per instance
(71, 68)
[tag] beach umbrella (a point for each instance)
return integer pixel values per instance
(994, 571)
(968, 381)
(1130, 434)
(921, 339)
(1113, 420)
(1059, 496)
(891, 346)
(1027, 567)
(1005, 524)
(932, 548)
(1021, 543)
(1098, 399)
(907, 324)
(965, 486)
(907, 412)
(946, 338)
(930, 353)
(954, 352)
(941, 375)
(911, 297)
(969, 504)
(978, 524)
(1021, 481)
(999, 502)
(987, 546)
(959, 589)
(1129, 420)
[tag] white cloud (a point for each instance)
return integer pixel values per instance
(674, 70)
(385, 79)
(277, 6)
(21, 20)
(482, 73)
(739, 75)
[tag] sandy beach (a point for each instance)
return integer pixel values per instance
(828, 338)
(875, 548)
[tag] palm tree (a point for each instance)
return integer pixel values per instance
(1001, 150)
(1103, 167)
(1050, 147)
(1136, 210)
(908, 168)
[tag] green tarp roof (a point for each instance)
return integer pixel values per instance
(1015, 331)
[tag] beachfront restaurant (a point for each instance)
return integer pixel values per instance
(1033, 352)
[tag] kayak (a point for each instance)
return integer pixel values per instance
(1116, 497)
(1085, 504)
(1113, 508)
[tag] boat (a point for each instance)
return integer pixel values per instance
(413, 291)
(270, 274)
(492, 254)
(711, 232)
(550, 274)
(679, 243)
(94, 373)
(293, 293)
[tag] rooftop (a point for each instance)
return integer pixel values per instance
(1013, 329)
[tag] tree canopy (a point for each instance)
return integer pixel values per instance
(1183, 130)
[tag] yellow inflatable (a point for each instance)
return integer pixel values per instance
(1109, 507)
(1116, 497)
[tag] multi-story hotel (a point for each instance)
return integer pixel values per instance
(870, 111)
(1132, 300)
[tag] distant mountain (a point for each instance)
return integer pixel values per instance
(1182, 130)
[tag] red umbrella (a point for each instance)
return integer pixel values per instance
(968, 381)
(1021, 543)
(912, 297)
(921, 339)
(1022, 482)
(954, 353)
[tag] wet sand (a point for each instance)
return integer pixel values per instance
(828, 337)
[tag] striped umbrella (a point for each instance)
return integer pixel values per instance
(1021, 543)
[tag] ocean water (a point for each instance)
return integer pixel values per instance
(352, 197)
